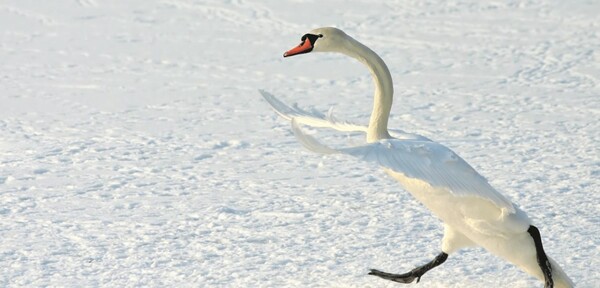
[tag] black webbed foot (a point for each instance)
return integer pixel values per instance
(413, 274)
(400, 278)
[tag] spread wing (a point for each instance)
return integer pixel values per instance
(319, 120)
(314, 119)
(428, 161)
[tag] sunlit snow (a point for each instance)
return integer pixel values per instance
(136, 149)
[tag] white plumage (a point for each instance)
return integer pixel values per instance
(473, 212)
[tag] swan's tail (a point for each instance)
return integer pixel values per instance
(520, 249)
(561, 280)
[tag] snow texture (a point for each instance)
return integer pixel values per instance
(137, 151)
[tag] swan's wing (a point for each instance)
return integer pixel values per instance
(319, 120)
(428, 161)
(433, 163)
(313, 119)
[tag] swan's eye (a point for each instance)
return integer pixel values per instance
(311, 37)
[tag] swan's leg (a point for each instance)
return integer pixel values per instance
(413, 274)
(542, 259)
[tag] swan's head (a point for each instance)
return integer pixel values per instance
(326, 39)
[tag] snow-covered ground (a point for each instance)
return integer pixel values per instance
(136, 150)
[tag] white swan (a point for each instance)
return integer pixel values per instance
(473, 212)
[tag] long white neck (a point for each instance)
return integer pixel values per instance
(384, 89)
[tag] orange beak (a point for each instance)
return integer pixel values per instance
(304, 47)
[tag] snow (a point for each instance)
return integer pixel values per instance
(137, 151)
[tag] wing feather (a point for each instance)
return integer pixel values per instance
(320, 120)
(428, 161)
(412, 155)
(313, 119)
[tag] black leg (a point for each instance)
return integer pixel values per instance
(413, 274)
(542, 259)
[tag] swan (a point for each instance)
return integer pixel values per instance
(473, 212)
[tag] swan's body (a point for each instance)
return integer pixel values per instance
(473, 212)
